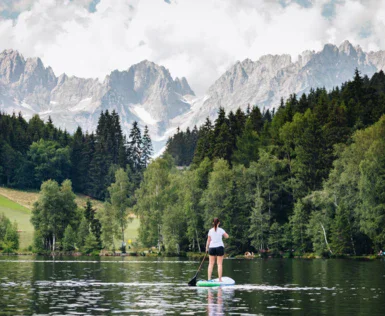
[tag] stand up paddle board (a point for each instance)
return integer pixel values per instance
(226, 281)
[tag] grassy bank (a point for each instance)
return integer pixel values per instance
(17, 206)
(27, 198)
(20, 214)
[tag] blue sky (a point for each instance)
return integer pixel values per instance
(198, 39)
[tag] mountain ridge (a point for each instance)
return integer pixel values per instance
(271, 77)
(146, 92)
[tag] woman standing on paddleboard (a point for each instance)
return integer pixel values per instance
(216, 248)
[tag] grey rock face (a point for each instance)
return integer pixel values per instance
(272, 77)
(145, 92)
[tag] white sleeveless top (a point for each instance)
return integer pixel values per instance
(216, 237)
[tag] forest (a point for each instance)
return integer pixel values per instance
(308, 177)
(35, 155)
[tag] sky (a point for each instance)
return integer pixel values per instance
(197, 39)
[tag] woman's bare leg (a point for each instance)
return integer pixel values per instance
(219, 264)
(211, 266)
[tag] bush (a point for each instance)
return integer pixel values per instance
(91, 244)
(9, 237)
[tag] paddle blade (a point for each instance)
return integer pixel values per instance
(193, 281)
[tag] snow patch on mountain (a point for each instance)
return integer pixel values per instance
(83, 105)
(145, 92)
(143, 115)
(265, 81)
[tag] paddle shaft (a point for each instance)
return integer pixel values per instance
(202, 262)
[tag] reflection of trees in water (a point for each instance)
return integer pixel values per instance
(52, 293)
(14, 299)
(64, 297)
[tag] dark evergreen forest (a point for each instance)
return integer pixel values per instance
(34, 151)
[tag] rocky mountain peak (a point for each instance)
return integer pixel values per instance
(145, 92)
(182, 87)
(347, 48)
(11, 66)
(272, 77)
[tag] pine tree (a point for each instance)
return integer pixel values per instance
(48, 130)
(247, 145)
(76, 159)
(117, 143)
(256, 119)
(223, 147)
(147, 149)
(341, 236)
(93, 221)
(135, 148)
(82, 233)
(321, 109)
(205, 143)
(90, 243)
(193, 143)
(87, 154)
(98, 172)
(303, 104)
(235, 218)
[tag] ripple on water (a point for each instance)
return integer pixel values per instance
(121, 285)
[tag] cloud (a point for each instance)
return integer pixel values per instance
(198, 39)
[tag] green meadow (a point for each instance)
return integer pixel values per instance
(20, 214)
(13, 205)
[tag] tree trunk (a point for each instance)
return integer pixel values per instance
(199, 246)
(327, 244)
(122, 238)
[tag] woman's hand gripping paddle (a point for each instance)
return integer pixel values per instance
(193, 281)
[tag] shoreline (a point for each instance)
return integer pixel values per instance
(190, 255)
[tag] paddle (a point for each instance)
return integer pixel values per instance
(193, 281)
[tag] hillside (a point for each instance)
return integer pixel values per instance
(27, 198)
(17, 206)
(20, 214)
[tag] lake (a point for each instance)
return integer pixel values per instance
(138, 285)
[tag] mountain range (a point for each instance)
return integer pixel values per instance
(147, 92)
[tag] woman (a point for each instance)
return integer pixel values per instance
(216, 248)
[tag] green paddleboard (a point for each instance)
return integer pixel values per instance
(226, 281)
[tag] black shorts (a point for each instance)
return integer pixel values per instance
(217, 251)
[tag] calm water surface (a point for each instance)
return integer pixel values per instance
(102, 286)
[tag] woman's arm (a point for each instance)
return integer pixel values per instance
(208, 243)
(226, 235)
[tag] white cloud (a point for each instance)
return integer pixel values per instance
(197, 39)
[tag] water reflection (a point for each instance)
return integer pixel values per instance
(158, 286)
(214, 302)
(218, 299)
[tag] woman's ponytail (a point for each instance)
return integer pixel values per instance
(216, 222)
